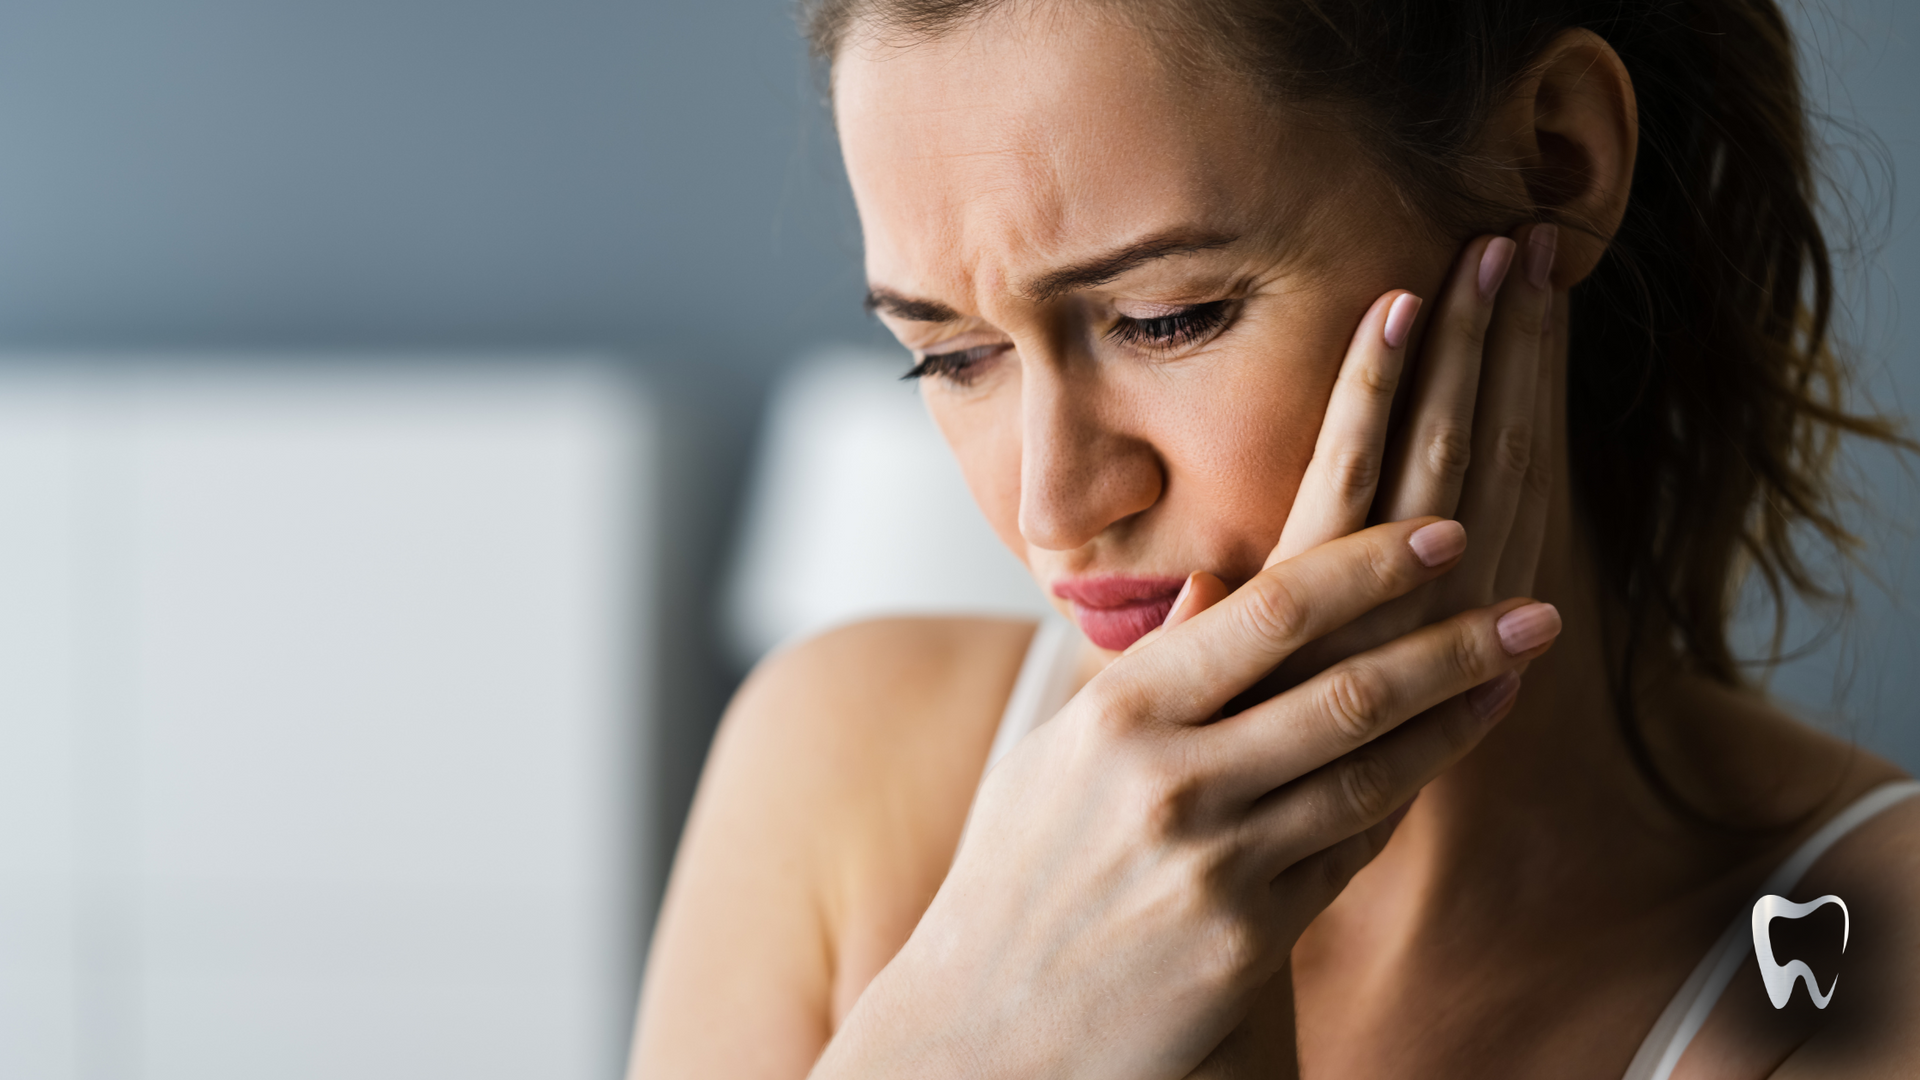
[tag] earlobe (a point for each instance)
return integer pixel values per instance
(1582, 134)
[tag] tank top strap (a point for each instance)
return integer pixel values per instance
(1683, 1017)
(1043, 686)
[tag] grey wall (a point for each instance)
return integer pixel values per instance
(651, 178)
(654, 178)
(1863, 70)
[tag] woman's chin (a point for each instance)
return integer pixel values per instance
(1115, 628)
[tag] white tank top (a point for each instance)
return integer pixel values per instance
(1046, 681)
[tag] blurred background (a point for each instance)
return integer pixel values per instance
(416, 416)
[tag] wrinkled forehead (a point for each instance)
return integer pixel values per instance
(1023, 140)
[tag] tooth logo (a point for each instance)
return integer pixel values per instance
(1781, 977)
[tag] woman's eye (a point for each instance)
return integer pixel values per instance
(956, 367)
(1184, 327)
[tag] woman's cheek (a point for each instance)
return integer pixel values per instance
(1234, 460)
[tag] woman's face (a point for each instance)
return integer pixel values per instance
(1130, 286)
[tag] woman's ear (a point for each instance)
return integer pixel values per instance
(1572, 128)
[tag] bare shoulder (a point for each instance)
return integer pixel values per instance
(858, 705)
(882, 730)
(1867, 1028)
(826, 816)
(1872, 949)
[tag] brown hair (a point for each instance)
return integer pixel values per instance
(1705, 400)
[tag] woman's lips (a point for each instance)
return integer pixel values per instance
(1115, 611)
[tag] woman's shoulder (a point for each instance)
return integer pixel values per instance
(862, 747)
(1868, 959)
(827, 814)
(894, 711)
(882, 687)
(1873, 867)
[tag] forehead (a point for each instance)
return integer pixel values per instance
(1022, 140)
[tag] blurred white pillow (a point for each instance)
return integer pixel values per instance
(857, 508)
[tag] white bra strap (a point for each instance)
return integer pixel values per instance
(1684, 1016)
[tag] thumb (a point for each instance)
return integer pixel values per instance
(1201, 592)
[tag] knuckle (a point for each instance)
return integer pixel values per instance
(1386, 566)
(1539, 482)
(1513, 449)
(1118, 711)
(1449, 451)
(1353, 703)
(1275, 612)
(1170, 799)
(1354, 474)
(1237, 951)
(1465, 657)
(1367, 786)
(1374, 380)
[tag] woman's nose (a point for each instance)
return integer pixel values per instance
(1080, 472)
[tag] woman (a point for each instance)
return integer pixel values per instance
(1507, 320)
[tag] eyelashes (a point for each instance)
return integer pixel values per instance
(1162, 333)
(958, 367)
(1166, 332)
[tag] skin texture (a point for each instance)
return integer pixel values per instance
(1142, 890)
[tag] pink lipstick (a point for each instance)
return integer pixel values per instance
(1116, 611)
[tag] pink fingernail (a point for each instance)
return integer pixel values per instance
(1494, 263)
(1525, 629)
(1440, 542)
(1400, 319)
(1487, 699)
(1540, 248)
(1178, 600)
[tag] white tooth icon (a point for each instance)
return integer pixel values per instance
(1778, 977)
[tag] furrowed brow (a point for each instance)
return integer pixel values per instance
(1057, 283)
(888, 302)
(1100, 270)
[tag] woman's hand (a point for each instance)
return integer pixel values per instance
(1483, 393)
(1138, 869)
(1478, 444)
(1133, 874)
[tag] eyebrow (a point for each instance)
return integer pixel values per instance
(1057, 283)
(1104, 268)
(904, 307)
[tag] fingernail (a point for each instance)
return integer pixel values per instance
(1178, 600)
(1540, 247)
(1487, 699)
(1494, 263)
(1526, 629)
(1400, 319)
(1440, 542)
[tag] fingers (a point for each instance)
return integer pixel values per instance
(1434, 446)
(1521, 558)
(1503, 430)
(1330, 717)
(1201, 592)
(1339, 484)
(1359, 795)
(1192, 672)
(1315, 881)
